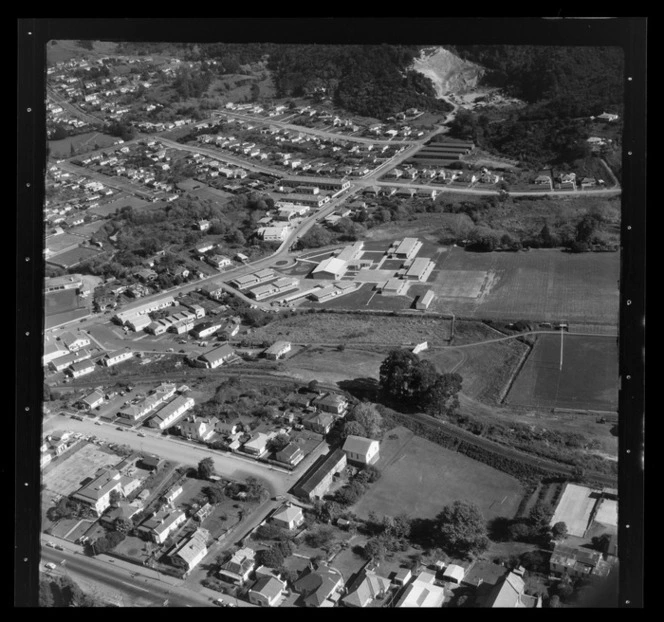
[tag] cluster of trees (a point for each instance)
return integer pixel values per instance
(573, 80)
(563, 87)
(533, 528)
(121, 129)
(371, 80)
(106, 543)
(388, 535)
(461, 529)
(62, 591)
(363, 420)
(356, 487)
(65, 508)
(407, 379)
(190, 82)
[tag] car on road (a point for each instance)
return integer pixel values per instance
(141, 434)
(51, 544)
(121, 429)
(97, 422)
(50, 566)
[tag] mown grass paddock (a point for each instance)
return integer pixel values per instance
(540, 285)
(420, 478)
(588, 379)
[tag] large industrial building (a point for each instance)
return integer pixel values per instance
(274, 288)
(331, 268)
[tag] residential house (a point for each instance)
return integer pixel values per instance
(318, 480)
(151, 463)
(74, 342)
(197, 428)
(113, 358)
(218, 261)
(162, 524)
(212, 290)
(227, 427)
(257, 444)
(238, 568)
(509, 592)
(190, 551)
(454, 574)
(422, 593)
(172, 494)
(205, 329)
(81, 368)
(402, 576)
(362, 451)
(215, 358)
(333, 403)
(577, 561)
(203, 512)
(167, 415)
(319, 587)
(288, 517)
(291, 455)
(320, 423)
(277, 350)
(301, 400)
(266, 592)
(96, 398)
(544, 180)
(367, 587)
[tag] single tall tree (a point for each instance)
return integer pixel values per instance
(462, 529)
(205, 468)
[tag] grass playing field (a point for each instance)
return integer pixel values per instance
(420, 478)
(541, 285)
(588, 379)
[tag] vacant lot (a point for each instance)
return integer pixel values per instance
(331, 365)
(588, 379)
(543, 285)
(420, 478)
(349, 328)
(67, 476)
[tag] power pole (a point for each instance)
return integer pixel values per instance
(561, 349)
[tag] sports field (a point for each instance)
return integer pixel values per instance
(420, 478)
(73, 257)
(59, 302)
(588, 379)
(118, 203)
(540, 285)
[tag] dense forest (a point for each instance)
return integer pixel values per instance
(562, 87)
(574, 81)
(370, 80)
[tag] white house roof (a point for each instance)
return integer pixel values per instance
(453, 571)
(359, 445)
(289, 514)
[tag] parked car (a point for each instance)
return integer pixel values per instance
(49, 565)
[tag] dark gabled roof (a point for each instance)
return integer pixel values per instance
(316, 476)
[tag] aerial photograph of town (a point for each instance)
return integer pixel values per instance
(331, 325)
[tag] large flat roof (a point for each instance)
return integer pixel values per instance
(418, 266)
(331, 264)
(574, 509)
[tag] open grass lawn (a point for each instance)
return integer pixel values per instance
(81, 142)
(62, 241)
(588, 379)
(121, 201)
(73, 257)
(62, 301)
(421, 478)
(540, 285)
